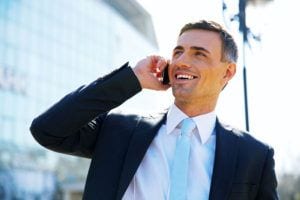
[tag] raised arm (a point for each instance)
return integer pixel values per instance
(73, 124)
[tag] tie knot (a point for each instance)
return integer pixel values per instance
(187, 126)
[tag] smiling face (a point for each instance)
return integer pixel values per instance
(197, 72)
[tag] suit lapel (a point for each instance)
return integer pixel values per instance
(142, 137)
(225, 162)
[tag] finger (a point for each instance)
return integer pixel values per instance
(162, 64)
(157, 63)
(157, 85)
(154, 59)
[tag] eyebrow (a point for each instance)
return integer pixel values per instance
(193, 48)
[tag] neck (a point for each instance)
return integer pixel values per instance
(193, 109)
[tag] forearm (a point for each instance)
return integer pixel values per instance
(81, 106)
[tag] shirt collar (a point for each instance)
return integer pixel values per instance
(205, 123)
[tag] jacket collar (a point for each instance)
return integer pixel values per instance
(145, 132)
(225, 162)
(225, 155)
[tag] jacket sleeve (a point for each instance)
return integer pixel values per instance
(268, 183)
(72, 125)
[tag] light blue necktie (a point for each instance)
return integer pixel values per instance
(179, 170)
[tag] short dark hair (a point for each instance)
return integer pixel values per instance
(229, 46)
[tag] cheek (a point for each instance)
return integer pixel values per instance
(171, 71)
(212, 81)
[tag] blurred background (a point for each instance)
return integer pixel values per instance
(50, 47)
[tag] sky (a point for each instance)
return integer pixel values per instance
(272, 67)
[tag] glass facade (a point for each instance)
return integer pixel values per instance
(47, 49)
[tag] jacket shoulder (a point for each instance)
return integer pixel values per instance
(246, 139)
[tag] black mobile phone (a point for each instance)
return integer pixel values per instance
(165, 76)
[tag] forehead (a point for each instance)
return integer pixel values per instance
(201, 38)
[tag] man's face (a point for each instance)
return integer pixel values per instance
(196, 70)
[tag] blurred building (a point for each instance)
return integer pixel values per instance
(47, 49)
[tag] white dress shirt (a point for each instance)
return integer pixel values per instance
(152, 178)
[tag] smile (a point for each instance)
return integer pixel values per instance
(185, 77)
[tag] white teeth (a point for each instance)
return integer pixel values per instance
(184, 76)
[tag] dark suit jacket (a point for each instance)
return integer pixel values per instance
(80, 125)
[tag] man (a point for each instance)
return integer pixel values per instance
(133, 157)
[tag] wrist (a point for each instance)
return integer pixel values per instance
(138, 73)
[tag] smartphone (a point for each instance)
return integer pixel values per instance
(165, 76)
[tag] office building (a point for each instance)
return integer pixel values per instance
(47, 49)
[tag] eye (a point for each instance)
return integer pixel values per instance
(199, 53)
(177, 53)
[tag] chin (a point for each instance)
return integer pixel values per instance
(181, 92)
(181, 96)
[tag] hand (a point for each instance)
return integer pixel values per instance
(149, 72)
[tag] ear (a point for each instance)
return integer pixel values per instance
(229, 72)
